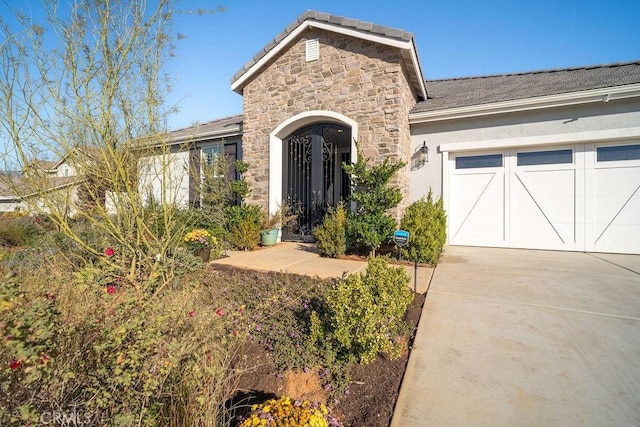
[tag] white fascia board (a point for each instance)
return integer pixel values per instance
(416, 64)
(550, 101)
(225, 133)
(407, 45)
(544, 140)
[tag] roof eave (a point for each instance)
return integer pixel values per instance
(549, 101)
(217, 134)
(238, 84)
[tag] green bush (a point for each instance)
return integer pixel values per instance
(114, 355)
(331, 235)
(426, 222)
(244, 224)
(370, 225)
(19, 231)
(366, 310)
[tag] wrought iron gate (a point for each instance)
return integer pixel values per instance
(313, 176)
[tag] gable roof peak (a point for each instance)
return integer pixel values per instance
(395, 37)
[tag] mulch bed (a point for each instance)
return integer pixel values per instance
(373, 390)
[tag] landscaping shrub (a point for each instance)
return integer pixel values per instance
(426, 222)
(244, 224)
(92, 347)
(370, 225)
(287, 317)
(366, 310)
(19, 230)
(331, 234)
(218, 192)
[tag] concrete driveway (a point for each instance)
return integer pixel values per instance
(528, 338)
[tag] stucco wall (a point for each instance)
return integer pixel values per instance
(165, 177)
(361, 80)
(10, 205)
(574, 123)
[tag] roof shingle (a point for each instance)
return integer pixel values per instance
(225, 126)
(468, 91)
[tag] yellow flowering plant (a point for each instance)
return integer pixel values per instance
(285, 412)
(199, 239)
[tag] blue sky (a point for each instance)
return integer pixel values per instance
(454, 39)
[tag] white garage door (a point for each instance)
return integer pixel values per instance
(583, 197)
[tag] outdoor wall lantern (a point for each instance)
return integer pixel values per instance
(420, 156)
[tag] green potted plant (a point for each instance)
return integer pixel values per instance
(271, 224)
(200, 242)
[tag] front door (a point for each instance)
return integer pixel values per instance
(313, 176)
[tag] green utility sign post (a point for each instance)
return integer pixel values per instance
(401, 238)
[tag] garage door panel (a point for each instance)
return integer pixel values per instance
(584, 197)
(615, 208)
(612, 207)
(542, 207)
(477, 213)
(622, 234)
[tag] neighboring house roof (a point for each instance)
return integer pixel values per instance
(400, 39)
(474, 91)
(17, 186)
(45, 165)
(220, 128)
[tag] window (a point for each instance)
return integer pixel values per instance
(618, 152)
(211, 154)
(483, 161)
(213, 159)
(553, 157)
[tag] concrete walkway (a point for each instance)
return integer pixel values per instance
(527, 338)
(303, 258)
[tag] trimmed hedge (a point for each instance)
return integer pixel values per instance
(426, 222)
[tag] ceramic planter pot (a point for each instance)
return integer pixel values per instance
(269, 237)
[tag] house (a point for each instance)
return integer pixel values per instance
(543, 160)
(179, 163)
(21, 191)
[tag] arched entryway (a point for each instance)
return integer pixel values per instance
(312, 175)
(277, 148)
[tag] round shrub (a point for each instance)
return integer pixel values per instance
(366, 310)
(331, 235)
(426, 222)
(244, 224)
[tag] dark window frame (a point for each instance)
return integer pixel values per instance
(618, 153)
(481, 161)
(545, 157)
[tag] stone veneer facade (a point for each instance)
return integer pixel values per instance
(362, 80)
